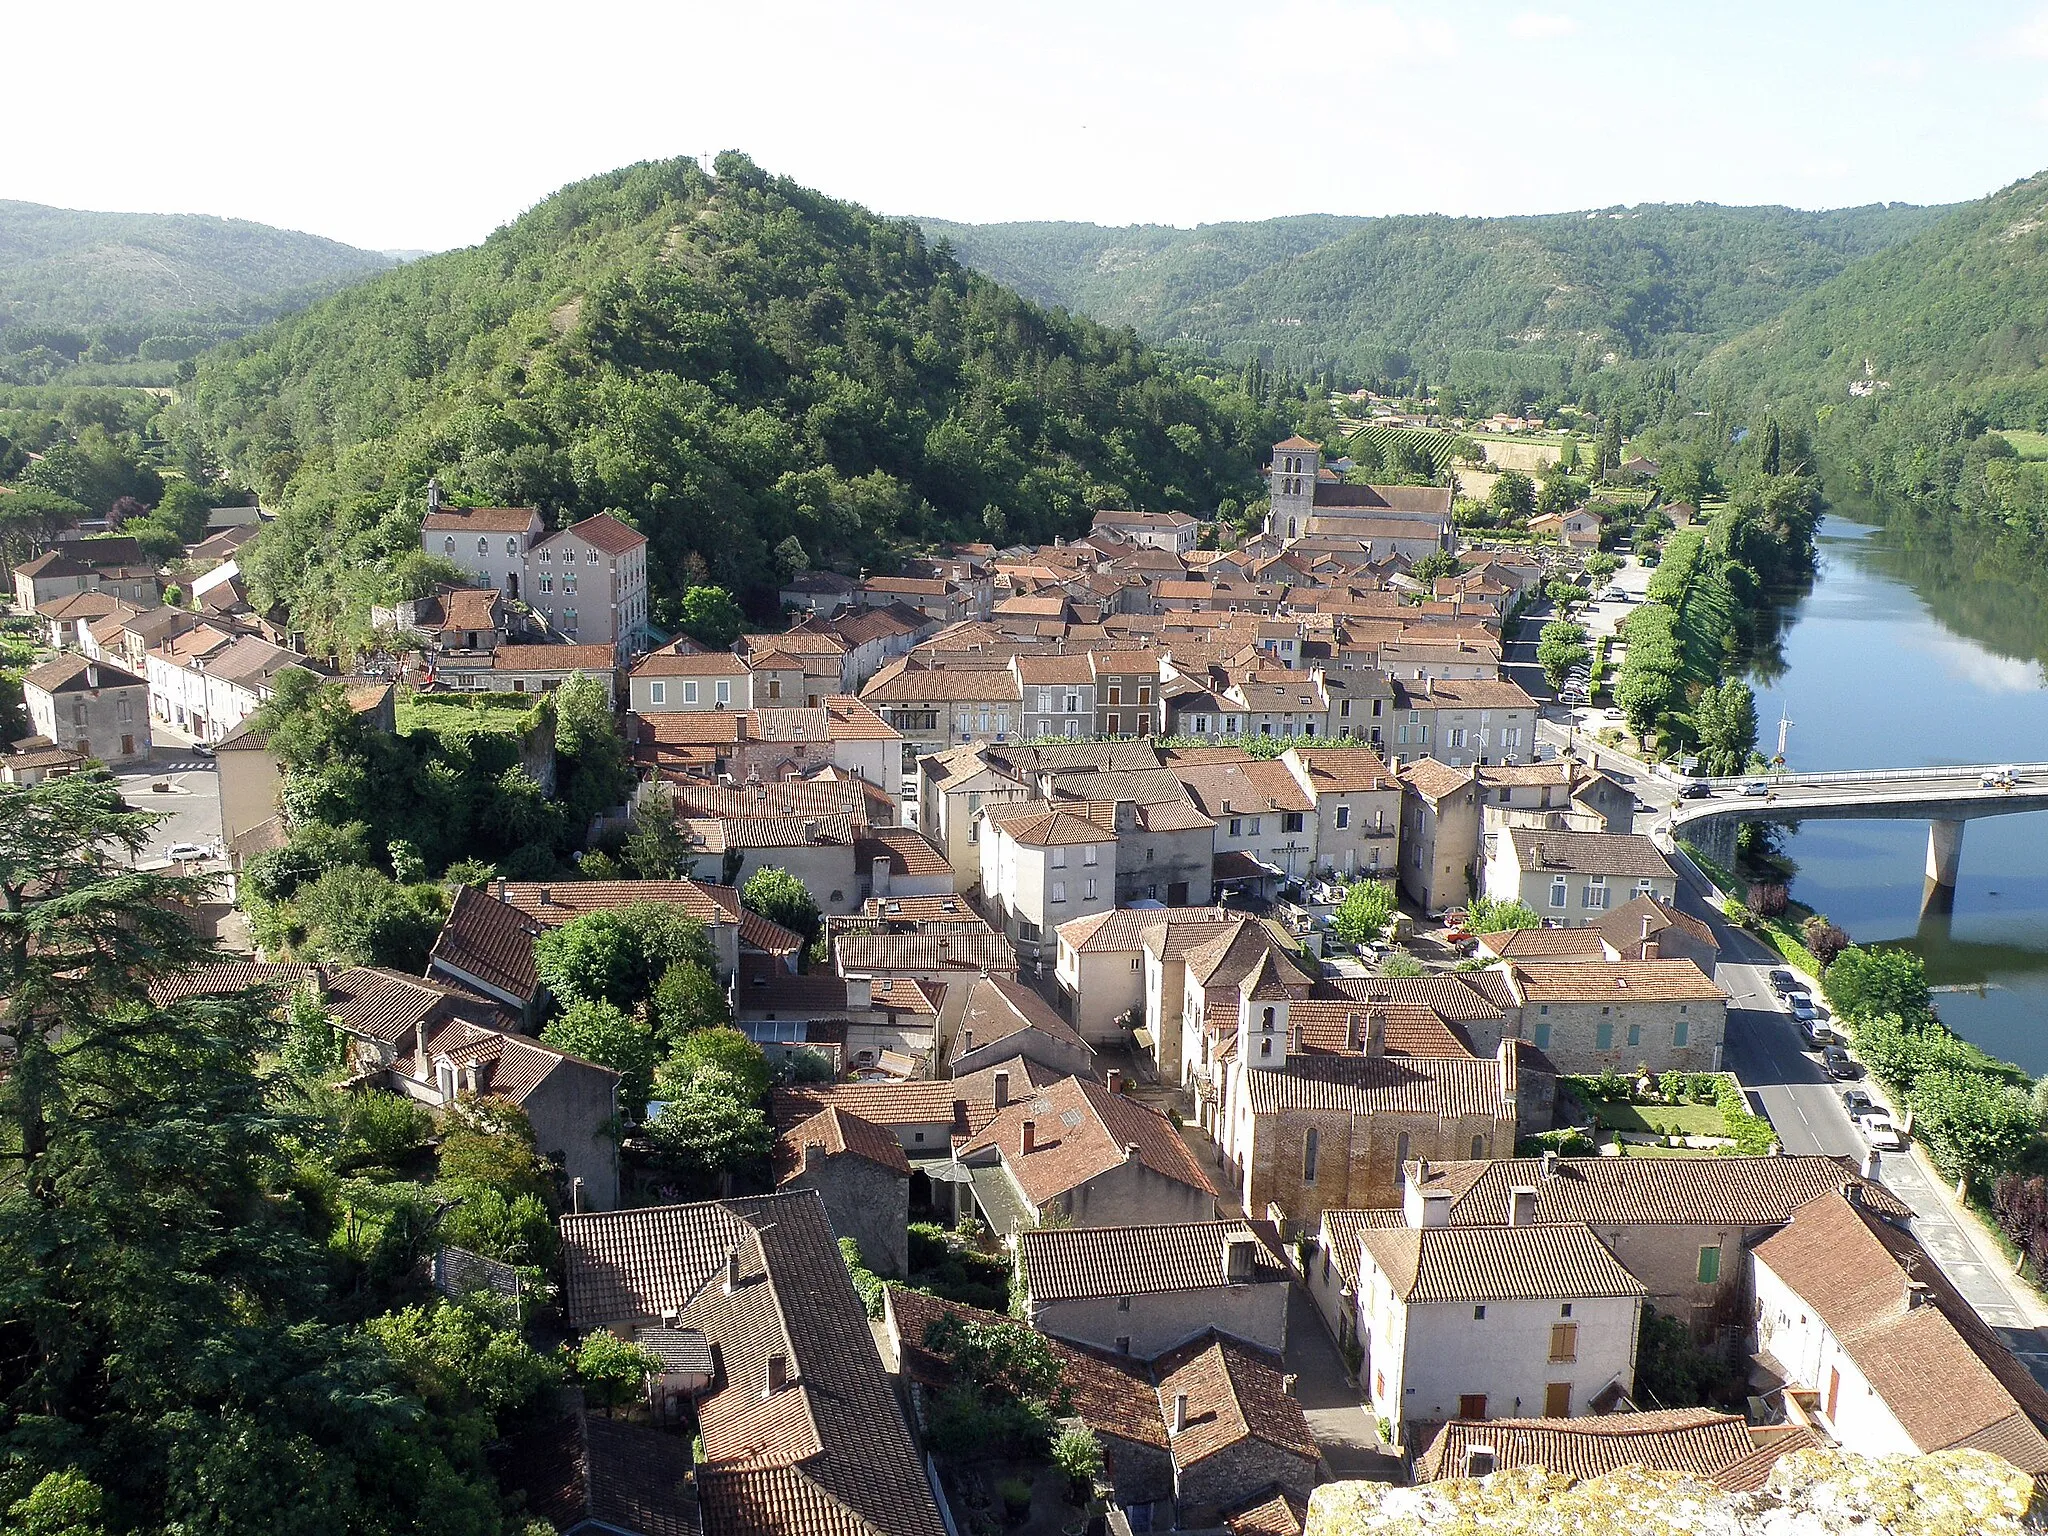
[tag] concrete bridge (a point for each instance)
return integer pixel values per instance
(1944, 798)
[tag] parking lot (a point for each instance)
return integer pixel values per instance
(188, 802)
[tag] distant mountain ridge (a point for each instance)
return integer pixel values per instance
(71, 267)
(1409, 293)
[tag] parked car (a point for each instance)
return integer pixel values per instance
(1615, 595)
(1837, 1062)
(1802, 1007)
(1783, 981)
(1856, 1102)
(204, 749)
(1757, 787)
(187, 851)
(1879, 1131)
(1697, 789)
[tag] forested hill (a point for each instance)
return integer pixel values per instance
(1909, 355)
(1406, 296)
(60, 267)
(753, 374)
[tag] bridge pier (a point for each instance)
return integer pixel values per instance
(1944, 858)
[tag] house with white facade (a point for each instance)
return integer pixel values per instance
(89, 707)
(1877, 1346)
(1575, 878)
(1509, 1321)
(1044, 864)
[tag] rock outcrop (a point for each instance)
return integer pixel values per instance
(1811, 1493)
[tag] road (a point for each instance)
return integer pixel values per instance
(1804, 1105)
(190, 805)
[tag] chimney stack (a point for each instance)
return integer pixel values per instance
(1029, 1141)
(1649, 949)
(1872, 1161)
(1917, 1294)
(778, 1375)
(92, 676)
(547, 896)
(860, 994)
(1550, 1164)
(1237, 1258)
(966, 1041)
(498, 888)
(1132, 1151)
(732, 1270)
(670, 1317)
(810, 832)
(1180, 1412)
(879, 879)
(1002, 1085)
(1113, 1080)
(576, 1196)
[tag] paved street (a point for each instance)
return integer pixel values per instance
(190, 805)
(1344, 1431)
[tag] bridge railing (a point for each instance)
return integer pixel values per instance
(1969, 772)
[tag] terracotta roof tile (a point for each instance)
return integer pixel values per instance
(839, 1132)
(1070, 1263)
(489, 940)
(1235, 1393)
(908, 852)
(1428, 1265)
(1619, 1191)
(1082, 1130)
(1698, 1441)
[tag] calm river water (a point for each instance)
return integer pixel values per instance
(1899, 657)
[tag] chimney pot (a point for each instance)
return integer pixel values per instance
(1002, 1086)
(1180, 1412)
(1029, 1140)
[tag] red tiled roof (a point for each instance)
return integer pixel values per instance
(839, 1132)
(479, 520)
(1082, 1129)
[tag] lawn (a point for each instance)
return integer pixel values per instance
(1662, 1119)
(2028, 445)
(512, 714)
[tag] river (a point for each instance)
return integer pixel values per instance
(1898, 657)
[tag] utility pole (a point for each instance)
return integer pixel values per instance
(1784, 726)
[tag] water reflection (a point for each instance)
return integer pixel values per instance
(1915, 648)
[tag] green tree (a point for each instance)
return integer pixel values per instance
(724, 1056)
(597, 1031)
(1607, 456)
(1560, 646)
(1431, 566)
(1973, 1127)
(1724, 719)
(358, 916)
(1513, 496)
(782, 898)
(687, 999)
(593, 752)
(611, 1371)
(709, 1132)
(466, 1359)
(1368, 906)
(1866, 982)
(173, 1331)
(711, 617)
(616, 956)
(1488, 914)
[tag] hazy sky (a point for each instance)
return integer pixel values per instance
(427, 124)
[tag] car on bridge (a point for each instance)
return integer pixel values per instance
(1697, 789)
(1757, 787)
(1997, 778)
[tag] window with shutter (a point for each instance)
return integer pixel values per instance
(1564, 1341)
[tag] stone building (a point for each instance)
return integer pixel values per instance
(1143, 1290)
(859, 1171)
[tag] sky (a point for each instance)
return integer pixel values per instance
(425, 124)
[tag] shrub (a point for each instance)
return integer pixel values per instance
(866, 1283)
(1825, 939)
(1078, 1454)
(1767, 898)
(382, 1130)
(611, 1371)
